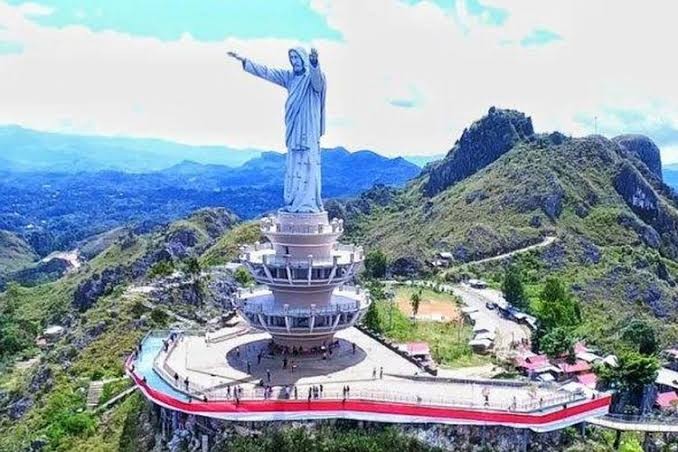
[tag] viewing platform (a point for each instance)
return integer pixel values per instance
(223, 377)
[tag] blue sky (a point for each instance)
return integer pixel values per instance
(405, 76)
(209, 20)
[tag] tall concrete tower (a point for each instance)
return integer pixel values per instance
(306, 271)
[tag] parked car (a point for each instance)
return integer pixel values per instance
(490, 305)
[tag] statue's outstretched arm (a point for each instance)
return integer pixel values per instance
(277, 76)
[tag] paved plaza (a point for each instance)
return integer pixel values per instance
(371, 370)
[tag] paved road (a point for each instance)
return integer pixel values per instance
(505, 330)
(546, 242)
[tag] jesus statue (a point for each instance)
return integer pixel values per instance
(304, 123)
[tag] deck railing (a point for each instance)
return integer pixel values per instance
(221, 392)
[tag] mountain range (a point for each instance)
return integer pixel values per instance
(54, 210)
(24, 149)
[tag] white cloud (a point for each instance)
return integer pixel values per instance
(612, 55)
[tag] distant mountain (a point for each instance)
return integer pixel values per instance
(423, 160)
(671, 177)
(31, 150)
(56, 210)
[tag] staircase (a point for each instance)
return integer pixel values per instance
(94, 393)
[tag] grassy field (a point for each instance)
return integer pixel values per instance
(448, 341)
(433, 304)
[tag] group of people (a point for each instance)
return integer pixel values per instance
(315, 392)
(374, 373)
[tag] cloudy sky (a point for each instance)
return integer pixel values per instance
(404, 76)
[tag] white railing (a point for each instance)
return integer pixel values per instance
(226, 391)
(276, 310)
(259, 254)
(270, 225)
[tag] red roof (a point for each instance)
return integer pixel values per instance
(580, 347)
(531, 362)
(417, 348)
(667, 399)
(589, 379)
(578, 366)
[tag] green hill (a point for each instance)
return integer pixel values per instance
(503, 187)
(15, 253)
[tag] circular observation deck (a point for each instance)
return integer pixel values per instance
(268, 267)
(308, 325)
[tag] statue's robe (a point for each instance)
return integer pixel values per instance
(305, 124)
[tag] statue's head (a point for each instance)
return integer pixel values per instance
(298, 60)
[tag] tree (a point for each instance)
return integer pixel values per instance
(556, 307)
(192, 266)
(161, 269)
(632, 372)
(415, 300)
(376, 289)
(375, 264)
(512, 287)
(641, 336)
(557, 342)
(243, 277)
(371, 319)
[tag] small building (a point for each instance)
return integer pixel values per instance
(589, 380)
(535, 366)
(477, 283)
(667, 400)
(667, 379)
(481, 345)
(417, 350)
(574, 369)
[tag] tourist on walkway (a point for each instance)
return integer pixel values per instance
(321, 390)
(228, 391)
(259, 357)
(249, 367)
(374, 373)
(237, 352)
(295, 392)
(268, 375)
(353, 344)
(310, 393)
(381, 373)
(186, 383)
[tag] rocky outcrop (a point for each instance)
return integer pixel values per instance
(43, 272)
(180, 241)
(642, 199)
(99, 285)
(642, 148)
(481, 144)
(405, 266)
(215, 221)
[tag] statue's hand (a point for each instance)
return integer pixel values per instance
(313, 57)
(235, 55)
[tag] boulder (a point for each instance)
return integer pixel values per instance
(89, 291)
(643, 149)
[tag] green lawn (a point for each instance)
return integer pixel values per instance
(448, 341)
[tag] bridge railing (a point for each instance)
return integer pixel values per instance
(642, 419)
